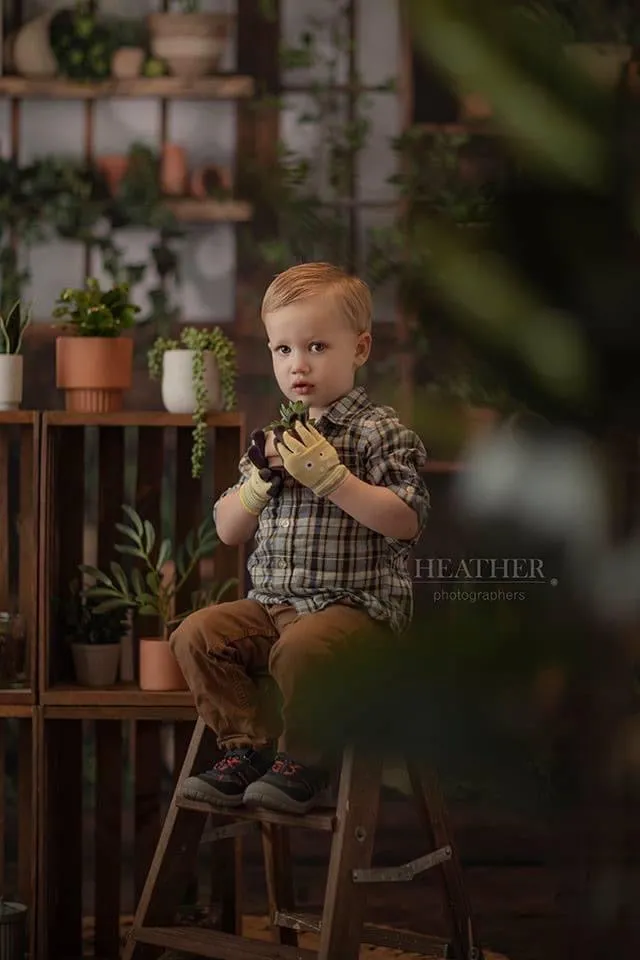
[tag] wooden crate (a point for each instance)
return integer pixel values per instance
(19, 468)
(93, 464)
(105, 781)
(19, 753)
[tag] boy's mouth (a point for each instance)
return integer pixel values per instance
(303, 387)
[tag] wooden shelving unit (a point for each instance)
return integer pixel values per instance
(220, 87)
(192, 210)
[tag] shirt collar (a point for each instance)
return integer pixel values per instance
(347, 407)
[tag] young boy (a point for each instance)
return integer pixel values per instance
(332, 544)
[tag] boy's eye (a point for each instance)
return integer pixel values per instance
(318, 347)
(283, 349)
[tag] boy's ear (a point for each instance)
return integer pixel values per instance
(363, 348)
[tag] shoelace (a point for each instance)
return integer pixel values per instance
(231, 759)
(288, 768)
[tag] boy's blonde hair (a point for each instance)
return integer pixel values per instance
(321, 279)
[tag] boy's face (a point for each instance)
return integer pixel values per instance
(314, 351)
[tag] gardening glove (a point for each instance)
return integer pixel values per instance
(262, 483)
(311, 459)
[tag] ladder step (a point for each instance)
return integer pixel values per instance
(216, 945)
(405, 940)
(323, 818)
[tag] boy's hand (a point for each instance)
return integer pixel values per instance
(311, 459)
(263, 483)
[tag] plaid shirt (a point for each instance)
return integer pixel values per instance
(309, 553)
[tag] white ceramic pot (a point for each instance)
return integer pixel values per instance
(178, 394)
(32, 53)
(96, 664)
(11, 365)
(192, 44)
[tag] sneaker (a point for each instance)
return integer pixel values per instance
(224, 785)
(289, 787)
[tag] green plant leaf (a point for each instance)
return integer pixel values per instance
(164, 553)
(130, 551)
(181, 560)
(120, 576)
(137, 582)
(134, 516)
(97, 575)
(148, 610)
(94, 592)
(108, 605)
(150, 534)
(129, 532)
(153, 581)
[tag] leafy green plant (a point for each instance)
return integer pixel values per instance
(200, 342)
(90, 311)
(13, 326)
(84, 624)
(583, 21)
(153, 590)
(81, 44)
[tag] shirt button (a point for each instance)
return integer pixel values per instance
(284, 523)
(282, 563)
(411, 489)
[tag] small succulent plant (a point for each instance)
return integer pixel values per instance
(295, 410)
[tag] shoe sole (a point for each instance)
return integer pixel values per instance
(264, 795)
(202, 794)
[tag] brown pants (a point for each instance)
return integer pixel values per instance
(221, 647)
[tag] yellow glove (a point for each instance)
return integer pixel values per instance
(312, 460)
(254, 493)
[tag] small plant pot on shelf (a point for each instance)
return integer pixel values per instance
(159, 669)
(191, 44)
(127, 63)
(96, 664)
(94, 372)
(178, 390)
(11, 367)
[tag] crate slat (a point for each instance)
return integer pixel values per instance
(108, 836)
(28, 543)
(148, 784)
(4, 517)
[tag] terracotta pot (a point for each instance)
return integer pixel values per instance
(94, 372)
(96, 664)
(474, 106)
(191, 44)
(174, 174)
(126, 63)
(113, 167)
(603, 62)
(208, 179)
(159, 669)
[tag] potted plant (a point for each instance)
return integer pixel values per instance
(198, 372)
(95, 639)
(190, 42)
(94, 364)
(154, 587)
(12, 329)
(290, 413)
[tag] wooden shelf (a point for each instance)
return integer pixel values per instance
(219, 87)
(138, 418)
(120, 695)
(19, 696)
(443, 466)
(193, 210)
(18, 416)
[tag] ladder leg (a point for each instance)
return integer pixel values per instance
(279, 875)
(435, 819)
(175, 854)
(352, 848)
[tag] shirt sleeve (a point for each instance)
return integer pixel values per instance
(395, 457)
(244, 467)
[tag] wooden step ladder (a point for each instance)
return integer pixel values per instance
(341, 929)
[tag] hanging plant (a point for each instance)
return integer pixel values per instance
(201, 342)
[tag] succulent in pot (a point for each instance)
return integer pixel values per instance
(94, 363)
(295, 411)
(94, 638)
(12, 328)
